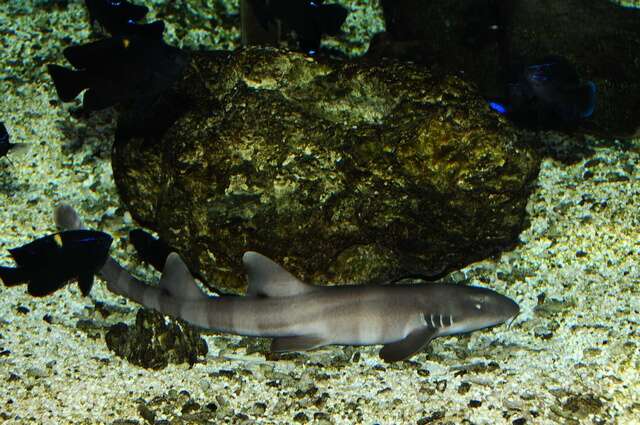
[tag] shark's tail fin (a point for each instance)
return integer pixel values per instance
(175, 294)
(67, 218)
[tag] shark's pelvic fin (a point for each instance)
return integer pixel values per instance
(178, 281)
(297, 343)
(411, 344)
(269, 279)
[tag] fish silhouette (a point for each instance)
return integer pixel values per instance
(48, 263)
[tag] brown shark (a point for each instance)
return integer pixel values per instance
(299, 316)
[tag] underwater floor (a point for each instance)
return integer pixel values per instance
(572, 355)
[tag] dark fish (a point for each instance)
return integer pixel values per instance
(118, 69)
(119, 17)
(154, 251)
(48, 263)
(308, 19)
(547, 94)
(5, 142)
(150, 250)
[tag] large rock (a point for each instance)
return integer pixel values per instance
(601, 38)
(346, 172)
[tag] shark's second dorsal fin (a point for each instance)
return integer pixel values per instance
(178, 281)
(269, 279)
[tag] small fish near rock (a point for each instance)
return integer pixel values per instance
(547, 94)
(155, 251)
(122, 69)
(309, 20)
(119, 17)
(48, 263)
(605, 50)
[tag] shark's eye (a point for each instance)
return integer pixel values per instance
(478, 306)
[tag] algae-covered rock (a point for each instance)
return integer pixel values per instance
(153, 343)
(345, 172)
(483, 37)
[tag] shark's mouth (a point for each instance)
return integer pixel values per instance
(513, 319)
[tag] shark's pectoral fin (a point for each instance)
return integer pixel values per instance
(269, 279)
(297, 343)
(411, 344)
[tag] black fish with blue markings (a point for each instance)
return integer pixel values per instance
(308, 19)
(151, 250)
(119, 17)
(547, 94)
(118, 69)
(155, 251)
(48, 263)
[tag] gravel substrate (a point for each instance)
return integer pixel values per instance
(570, 357)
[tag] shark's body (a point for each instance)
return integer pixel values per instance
(404, 318)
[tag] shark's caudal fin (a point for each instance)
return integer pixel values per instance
(178, 282)
(269, 279)
(67, 218)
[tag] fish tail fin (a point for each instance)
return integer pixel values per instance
(331, 17)
(69, 83)
(67, 218)
(12, 276)
(587, 99)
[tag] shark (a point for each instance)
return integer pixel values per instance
(403, 318)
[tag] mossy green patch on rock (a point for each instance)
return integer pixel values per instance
(341, 171)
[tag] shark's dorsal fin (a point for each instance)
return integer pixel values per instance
(178, 281)
(269, 279)
(411, 344)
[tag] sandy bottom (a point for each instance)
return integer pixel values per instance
(571, 356)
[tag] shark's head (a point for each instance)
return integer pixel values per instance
(470, 308)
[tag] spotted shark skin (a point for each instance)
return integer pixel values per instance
(299, 316)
